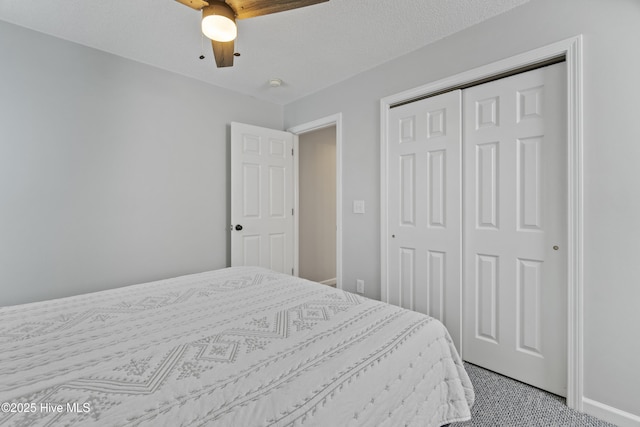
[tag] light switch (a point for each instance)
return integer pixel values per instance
(358, 206)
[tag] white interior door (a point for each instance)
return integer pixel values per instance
(423, 258)
(261, 197)
(515, 227)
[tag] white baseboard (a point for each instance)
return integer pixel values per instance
(610, 414)
(330, 282)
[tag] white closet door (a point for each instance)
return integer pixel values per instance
(515, 157)
(261, 197)
(424, 208)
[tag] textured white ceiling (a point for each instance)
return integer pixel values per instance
(308, 48)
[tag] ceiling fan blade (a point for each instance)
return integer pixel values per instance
(250, 8)
(194, 4)
(223, 52)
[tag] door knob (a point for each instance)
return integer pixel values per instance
(238, 227)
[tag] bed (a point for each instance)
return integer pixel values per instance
(240, 346)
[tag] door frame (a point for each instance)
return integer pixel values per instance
(571, 50)
(333, 120)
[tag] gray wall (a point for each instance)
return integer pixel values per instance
(612, 154)
(317, 220)
(111, 172)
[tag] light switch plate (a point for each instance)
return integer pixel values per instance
(358, 206)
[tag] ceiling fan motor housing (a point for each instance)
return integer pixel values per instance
(222, 30)
(218, 9)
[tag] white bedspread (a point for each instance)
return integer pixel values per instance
(234, 347)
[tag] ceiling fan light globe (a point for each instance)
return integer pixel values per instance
(219, 28)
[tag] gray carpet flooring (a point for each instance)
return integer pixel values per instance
(501, 401)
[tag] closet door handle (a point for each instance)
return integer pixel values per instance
(238, 227)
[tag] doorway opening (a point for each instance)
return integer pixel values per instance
(317, 205)
(318, 200)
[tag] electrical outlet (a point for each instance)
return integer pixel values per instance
(360, 286)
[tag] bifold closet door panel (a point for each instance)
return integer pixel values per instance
(424, 208)
(515, 232)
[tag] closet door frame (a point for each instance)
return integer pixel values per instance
(571, 50)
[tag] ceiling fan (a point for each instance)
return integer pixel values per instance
(218, 20)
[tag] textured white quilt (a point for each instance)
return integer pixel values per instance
(234, 347)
